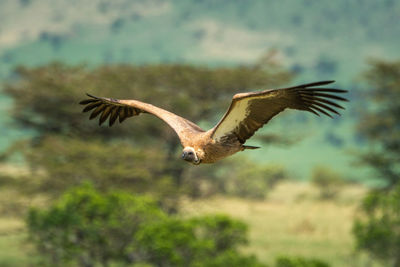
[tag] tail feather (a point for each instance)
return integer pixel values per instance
(250, 147)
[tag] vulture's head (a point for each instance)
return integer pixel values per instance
(190, 155)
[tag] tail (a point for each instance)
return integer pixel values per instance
(249, 147)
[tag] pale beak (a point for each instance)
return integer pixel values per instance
(184, 155)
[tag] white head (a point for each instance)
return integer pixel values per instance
(189, 154)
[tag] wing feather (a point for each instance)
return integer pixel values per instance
(250, 111)
(111, 109)
(91, 106)
(97, 111)
(104, 115)
(113, 115)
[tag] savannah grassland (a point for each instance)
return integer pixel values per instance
(291, 221)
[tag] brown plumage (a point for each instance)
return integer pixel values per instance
(247, 113)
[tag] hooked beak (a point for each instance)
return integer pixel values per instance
(184, 154)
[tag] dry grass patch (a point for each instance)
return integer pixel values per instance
(293, 221)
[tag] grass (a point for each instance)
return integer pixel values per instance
(13, 248)
(292, 221)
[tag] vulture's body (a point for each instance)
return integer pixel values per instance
(247, 113)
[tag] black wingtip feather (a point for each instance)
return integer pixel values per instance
(102, 106)
(321, 110)
(87, 101)
(320, 83)
(312, 84)
(91, 106)
(312, 111)
(330, 96)
(331, 90)
(319, 99)
(92, 96)
(326, 107)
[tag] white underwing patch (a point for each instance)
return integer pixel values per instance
(239, 112)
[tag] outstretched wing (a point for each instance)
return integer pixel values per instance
(109, 108)
(250, 111)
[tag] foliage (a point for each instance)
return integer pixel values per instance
(380, 120)
(239, 177)
(299, 262)
(250, 180)
(377, 227)
(87, 228)
(327, 181)
(232, 259)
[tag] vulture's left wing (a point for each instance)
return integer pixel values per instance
(250, 111)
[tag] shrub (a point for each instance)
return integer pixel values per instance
(377, 227)
(247, 179)
(299, 262)
(327, 181)
(89, 228)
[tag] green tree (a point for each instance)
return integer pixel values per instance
(380, 120)
(377, 228)
(253, 181)
(327, 181)
(239, 177)
(89, 228)
(299, 262)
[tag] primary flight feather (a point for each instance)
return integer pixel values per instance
(247, 113)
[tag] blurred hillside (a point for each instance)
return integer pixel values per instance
(316, 40)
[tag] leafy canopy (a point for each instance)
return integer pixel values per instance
(380, 120)
(87, 227)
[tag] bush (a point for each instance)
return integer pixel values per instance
(232, 259)
(88, 228)
(377, 228)
(379, 123)
(327, 181)
(299, 262)
(247, 179)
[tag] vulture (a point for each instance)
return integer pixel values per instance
(247, 113)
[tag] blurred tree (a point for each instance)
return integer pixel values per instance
(327, 181)
(89, 228)
(299, 262)
(237, 176)
(377, 228)
(247, 179)
(139, 155)
(380, 120)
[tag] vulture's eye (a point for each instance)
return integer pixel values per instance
(190, 153)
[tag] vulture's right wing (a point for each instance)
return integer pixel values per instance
(122, 109)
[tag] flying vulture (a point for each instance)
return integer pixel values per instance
(247, 113)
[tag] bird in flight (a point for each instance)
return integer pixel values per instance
(247, 113)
